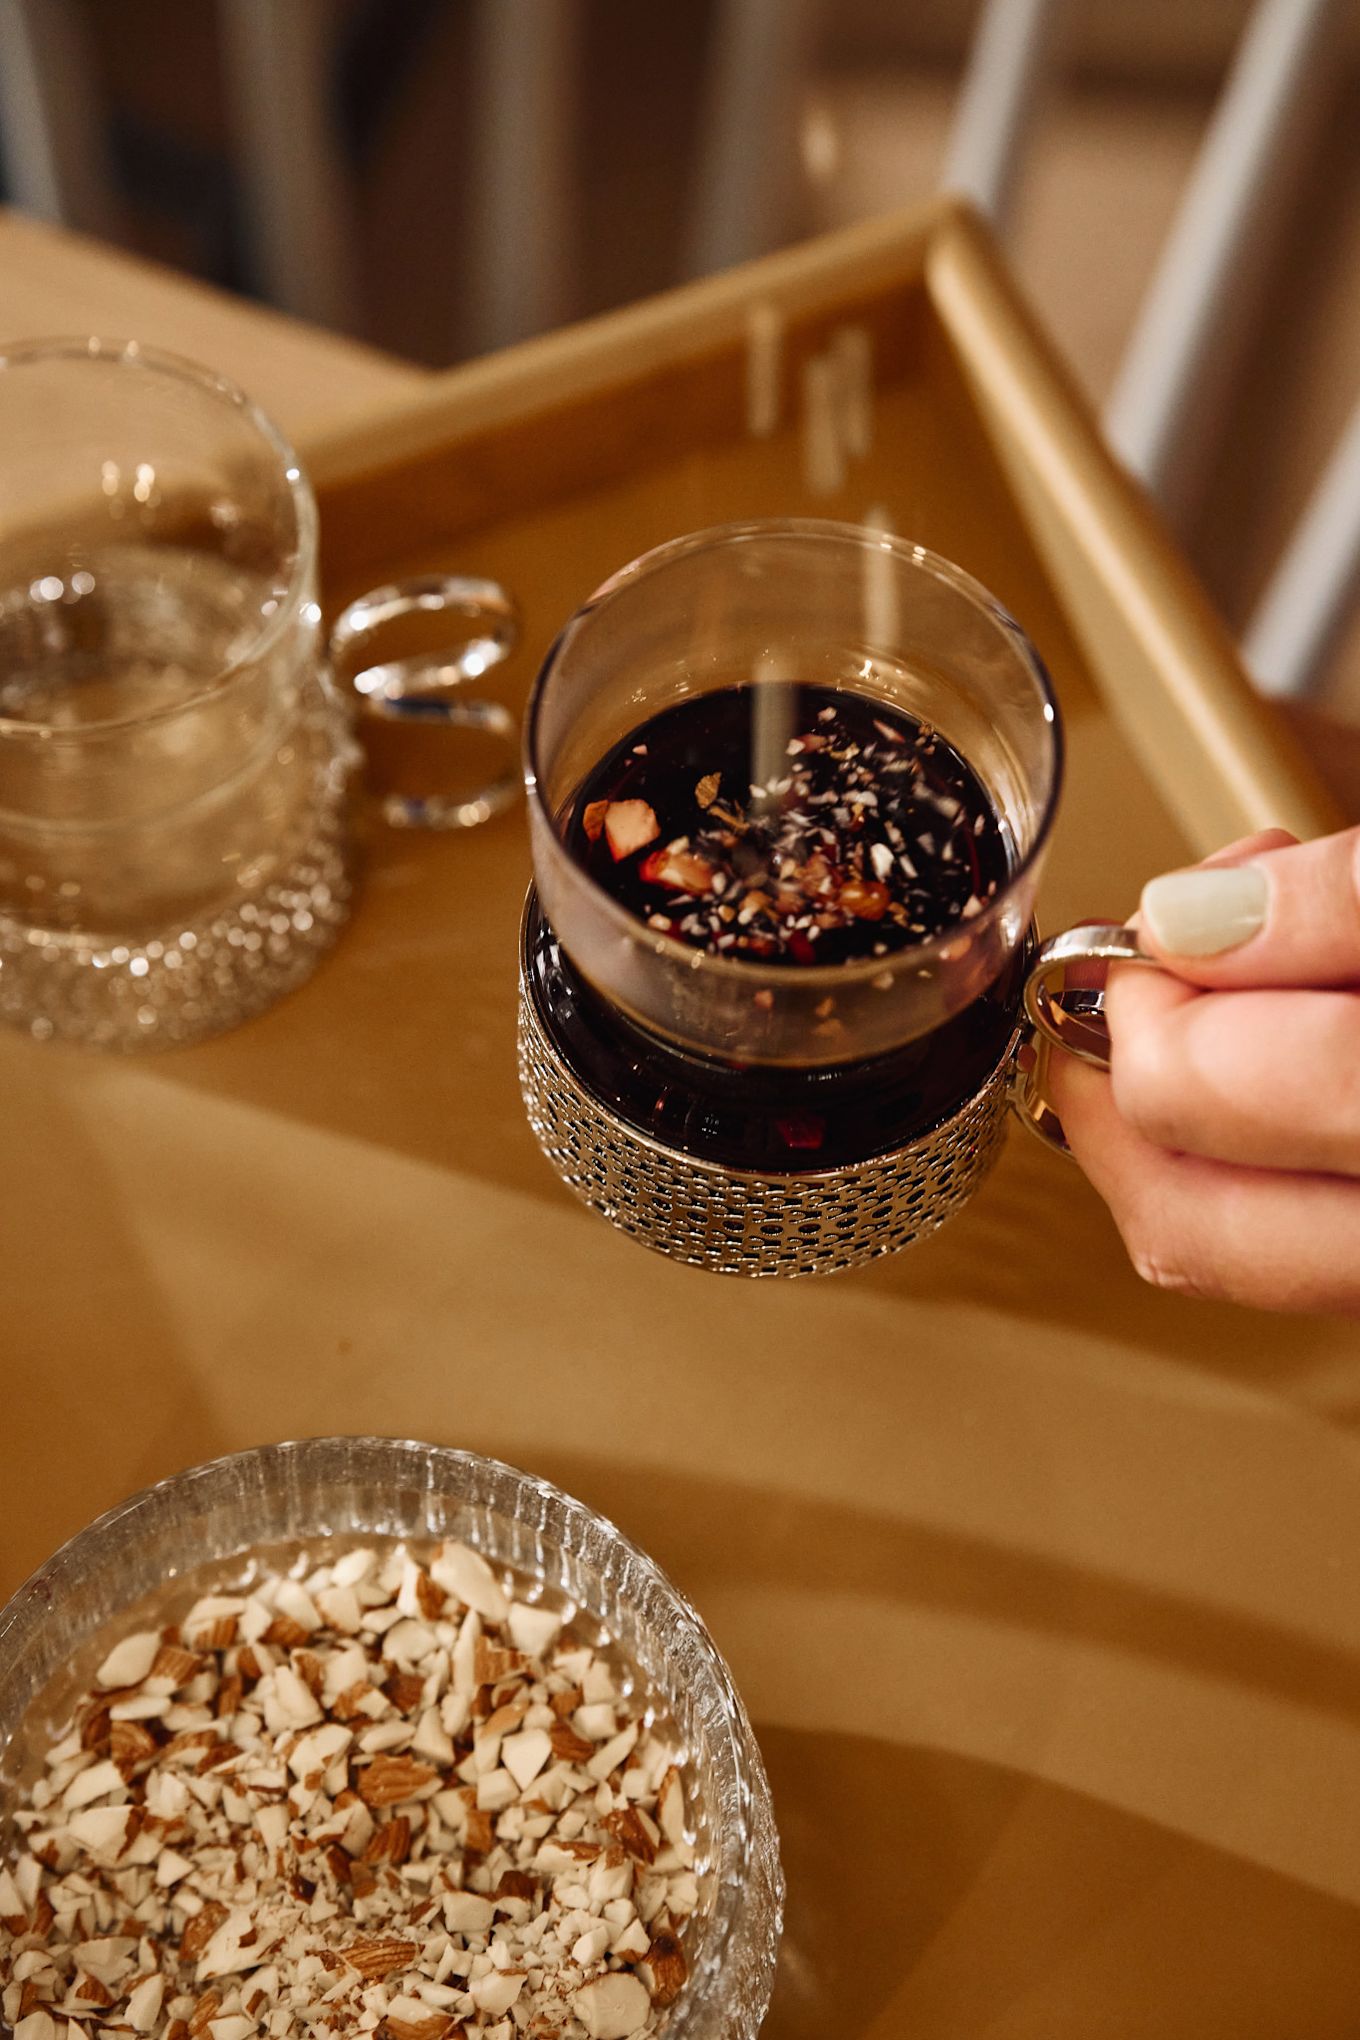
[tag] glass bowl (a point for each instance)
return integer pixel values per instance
(276, 1495)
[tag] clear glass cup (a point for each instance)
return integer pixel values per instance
(173, 765)
(837, 606)
(209, 1520)
(176, 765)
(783, 1037)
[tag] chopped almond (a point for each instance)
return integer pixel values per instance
(389, 1780)
(379, 1956)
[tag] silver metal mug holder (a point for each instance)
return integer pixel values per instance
(738, 1222)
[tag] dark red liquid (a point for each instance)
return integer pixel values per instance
(789, 824)
(871, 837)
(753, 1116)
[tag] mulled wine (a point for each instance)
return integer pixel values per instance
(790, 826)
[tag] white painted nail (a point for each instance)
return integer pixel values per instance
(1199, 913)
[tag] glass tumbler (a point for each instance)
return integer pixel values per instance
(291, 1505)
(838, 1087)
(175, 762)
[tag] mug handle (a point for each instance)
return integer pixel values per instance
(422, 687)
(1072, 1020)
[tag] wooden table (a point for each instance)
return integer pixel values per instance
(52, 282)
(1040, 1586)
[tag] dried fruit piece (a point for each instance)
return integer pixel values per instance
(592, 820)
(706, 792)
(865, 899)
(629, 826)
(679, 870)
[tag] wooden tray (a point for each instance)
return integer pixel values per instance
(1033, 1578)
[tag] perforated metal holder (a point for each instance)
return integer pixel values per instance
(735, 1222)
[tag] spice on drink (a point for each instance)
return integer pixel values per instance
(870, 833)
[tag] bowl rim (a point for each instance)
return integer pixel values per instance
(34, 1599)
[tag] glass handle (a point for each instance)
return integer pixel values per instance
(1071, 1018)
(423, 686)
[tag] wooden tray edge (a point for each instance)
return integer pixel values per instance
(1221, 755)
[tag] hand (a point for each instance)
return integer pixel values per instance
(1226, 1138)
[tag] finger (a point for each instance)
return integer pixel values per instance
(1285, 916)
(1277, 1242)
(1091, 976)
(1269, 1079)
(1251, 846)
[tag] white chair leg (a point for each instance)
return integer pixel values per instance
(1173, 380)
(524, 182)
(997, 101)
(52, 131)
(1314, 585)
(747, 164)
(278, 61)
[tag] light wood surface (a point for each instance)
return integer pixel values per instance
(311, 383)
(1038, 1583)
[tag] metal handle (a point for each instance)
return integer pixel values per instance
(1069, 1018)
(419, 688)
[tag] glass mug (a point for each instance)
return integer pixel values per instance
(768, 1045)
(176, 759)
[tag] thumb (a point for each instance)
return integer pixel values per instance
(1279, 916)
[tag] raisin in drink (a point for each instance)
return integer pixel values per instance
(869, 835)
(788, 786)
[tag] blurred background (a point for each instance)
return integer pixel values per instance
(439, 177)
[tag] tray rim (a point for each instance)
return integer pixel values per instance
(1200, 711)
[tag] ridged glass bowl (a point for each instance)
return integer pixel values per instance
(350, 1488)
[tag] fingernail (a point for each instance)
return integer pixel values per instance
(1198, 913)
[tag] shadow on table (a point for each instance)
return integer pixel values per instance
(826, 1550)
(405, 1040)
(937, 1896)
